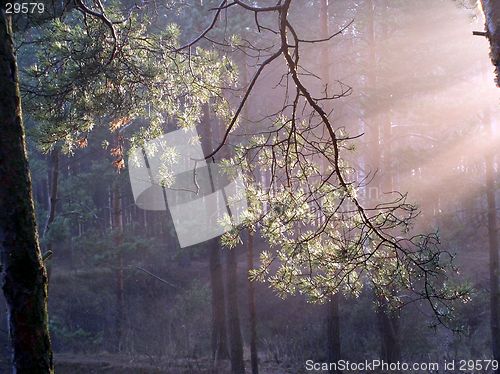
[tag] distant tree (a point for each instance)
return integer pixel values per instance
(117, 226)
(333, 320)
(233, 317)
(379, 159)
(252, 310)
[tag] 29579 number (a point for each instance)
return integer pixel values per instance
(477, 365)
(24, 8)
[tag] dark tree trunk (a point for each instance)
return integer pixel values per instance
(118, 241)
(493, 249)
(235, 339)
(232, 312)
(491, 10)
(254, 359)
(219, 332)
(53, 186)
(388, 324)
(23, 274)
(53, 177)
(333, 331)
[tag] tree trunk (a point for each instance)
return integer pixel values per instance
(493, 249)
(491, 9)
(23, 274)
(389, 319)
(251, 308)
(325, 31)
(53, 185)
(53, 177)
(118, 241)
(388, 323)
(333, 330)
(219, 332)
(332, 308)
(235, 339)
(254, 357)
(380, 129)
(232, 311)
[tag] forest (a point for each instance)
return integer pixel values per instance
(249, 186)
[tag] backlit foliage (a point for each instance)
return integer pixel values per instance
(78, 82)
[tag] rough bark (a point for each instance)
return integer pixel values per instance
(23, 273)
(491, 9)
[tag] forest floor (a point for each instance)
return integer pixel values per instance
(67, 363)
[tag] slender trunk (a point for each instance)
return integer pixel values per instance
(235, 339)
(493, 249)
(251, 308)
(219, 331)
(333, 330)
(371, 110)
(23, 273)
(325, 31)
(53, 184)
(118, 241)
(388, 324)
(53, 177)
(233, 319)
(332, 308)
(254, 357)
(388, 320)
